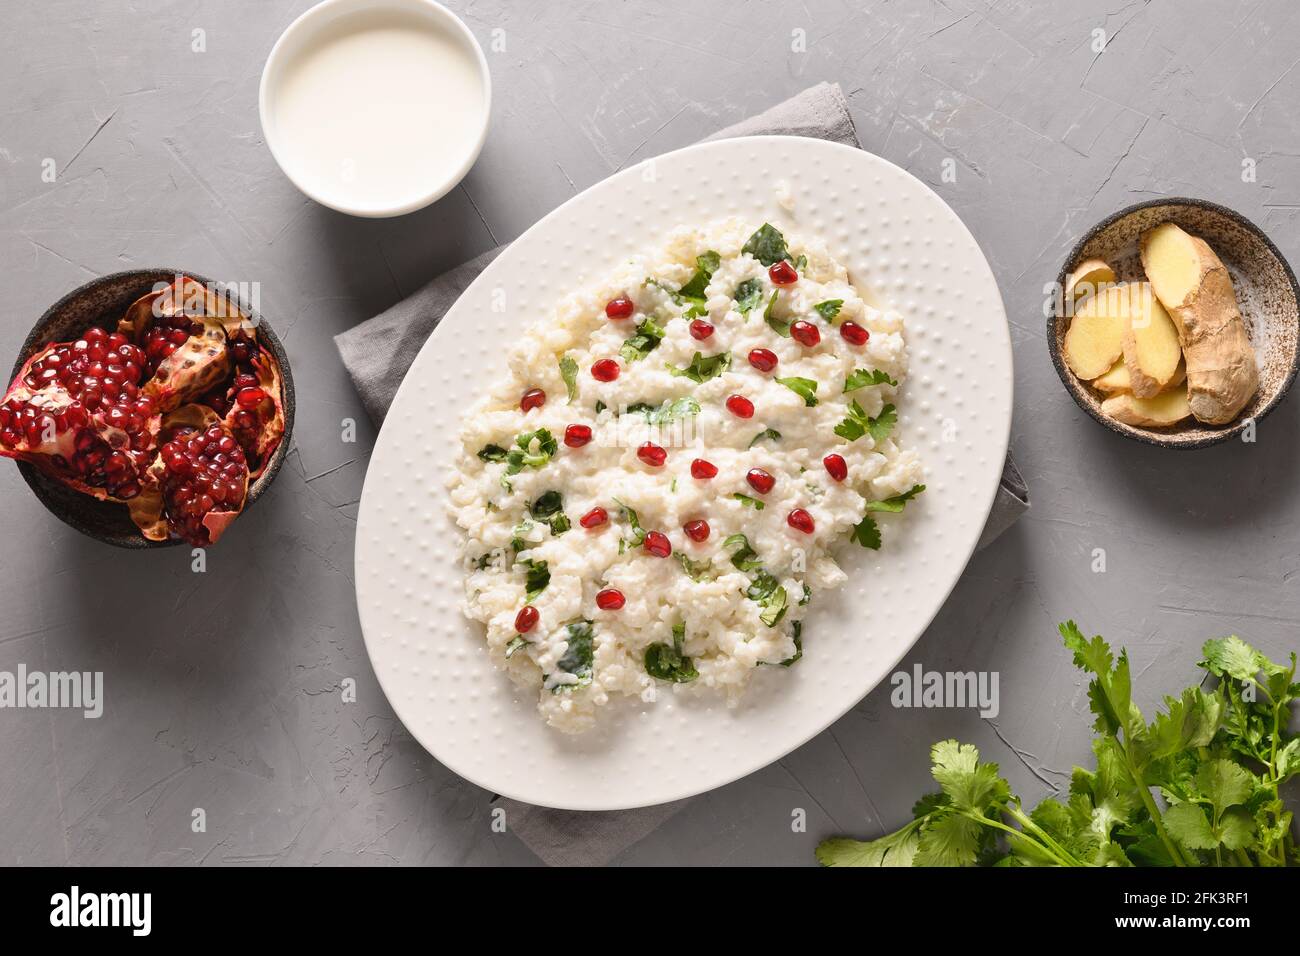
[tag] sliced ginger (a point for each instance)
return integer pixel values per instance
(1151, 350)
(1116, 380)
(1168, 408)
(1090, 276)
(1195, 288)
(1095, 338)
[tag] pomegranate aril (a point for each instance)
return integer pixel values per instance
(657, 543)
(853, 333)
(782, 273)
(740, 406)
(805, 333)
(800, 520)
(703, 470)
(594, 518)
(610, 599)
(526, 619)
(250, 397)
(760, 480)
(533, 398)
(836, 467)
(619, 308)
(763, 359)
(696, 530)
(652, 454)
(605, 370)
(575, 436)
(701, 330)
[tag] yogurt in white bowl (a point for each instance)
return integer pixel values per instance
(376, 109)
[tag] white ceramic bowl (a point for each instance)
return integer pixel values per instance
(361, 14)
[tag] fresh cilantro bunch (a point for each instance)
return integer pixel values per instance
(1217, 759)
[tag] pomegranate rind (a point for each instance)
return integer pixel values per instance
(260, 443)
(192, 369)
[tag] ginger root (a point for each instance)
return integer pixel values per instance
(1195, 288)
(1095, 338)
(1088, 278)
(1168, 408)
(1151, 349)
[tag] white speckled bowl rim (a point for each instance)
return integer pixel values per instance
(905, 247)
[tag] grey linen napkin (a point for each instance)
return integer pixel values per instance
(377, 354)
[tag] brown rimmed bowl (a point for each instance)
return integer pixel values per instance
(1267, 294)
(100, 301)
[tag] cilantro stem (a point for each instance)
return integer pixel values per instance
(1027, 822)
(1062, 858)
(1145, 793)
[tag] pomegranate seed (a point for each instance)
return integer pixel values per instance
(526, 619)
(657, 543)
(619, 308)
(696, 530)
(760, 480)
(610, 599)
(763, 359)
(805, 333)
(703, 469)
(740, 406)
(836, 467)
(533, 398)
(594, 518)
(652, 454)
(853, 333)
(782, 273)
(575, 436)
(800, 520)
(606, 370)
(701, 330)
(250, 397)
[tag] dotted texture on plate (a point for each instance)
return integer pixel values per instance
(905, 250)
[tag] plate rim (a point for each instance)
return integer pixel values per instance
(683, 791)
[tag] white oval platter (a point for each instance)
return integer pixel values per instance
(908, 251)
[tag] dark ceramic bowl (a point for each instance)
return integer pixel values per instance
(1266, 290)
(102, 301)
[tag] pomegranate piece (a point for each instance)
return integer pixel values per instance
(763, 359)
(605, 370)
(805, 333)
(652, 454)
(703, 469)
(853, 333)
(610, 599)
(760, 480)
(575, 436)
(836, 467)
(740, 406)
(254, 414)
(782, 273)
(696, 530)
(800, 520)
(203, 475)
(701, 330)
(533, 398)
(657, 543)
(526, 619)
(620, 307)
(594, 518)
(76, 411)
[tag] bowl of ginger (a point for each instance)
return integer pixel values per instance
(1176, 322)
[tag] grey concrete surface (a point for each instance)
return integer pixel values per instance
(223, 688)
